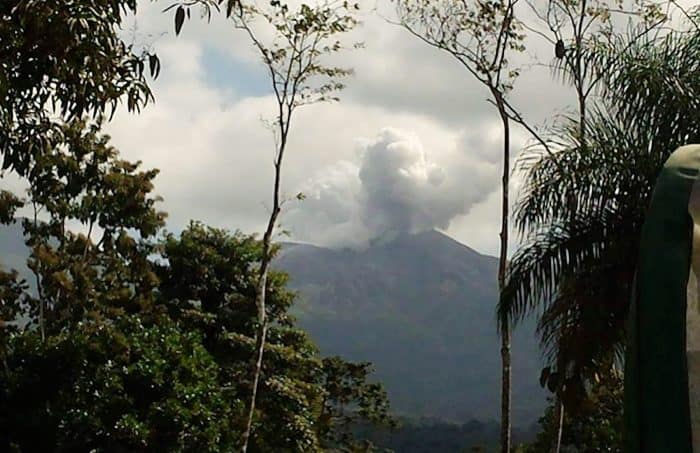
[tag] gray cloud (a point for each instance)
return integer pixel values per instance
(393, 188)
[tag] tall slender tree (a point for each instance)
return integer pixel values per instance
(481, 36)
(295, 60)
(295, 64)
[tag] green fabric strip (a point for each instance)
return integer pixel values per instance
(657, 412)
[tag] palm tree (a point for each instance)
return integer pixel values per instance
(581, 208)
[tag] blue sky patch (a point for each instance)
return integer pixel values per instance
(224, 72)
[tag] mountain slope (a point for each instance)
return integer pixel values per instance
(13, 251)
(421, 308)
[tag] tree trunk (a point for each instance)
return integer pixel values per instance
(505, 389)
(260, 337)
(38, 280)
(559, 418)
(502, 264)
(261, 289)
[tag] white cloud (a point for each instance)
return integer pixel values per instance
(204, 133)
(215, 155)
(393, 188)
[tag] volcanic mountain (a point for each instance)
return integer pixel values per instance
(421, 308)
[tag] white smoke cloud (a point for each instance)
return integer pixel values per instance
(394, 188)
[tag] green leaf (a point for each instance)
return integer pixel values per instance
(229, 7)
(544, 376)
(179, 19)
(154, 65)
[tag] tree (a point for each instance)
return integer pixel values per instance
(350, 401)
(99, 302)
(577, 266)
(80, 179)
(123, 353)
(295, 62)
(51, 75)
(50, 72)
(209, 280)
(576, 29)
(481, 36)
(595, 426)
(214, 293)
(98, 364)
(129, 385)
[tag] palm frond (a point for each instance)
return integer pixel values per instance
(581, 208)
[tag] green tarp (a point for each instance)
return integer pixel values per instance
(657, 410)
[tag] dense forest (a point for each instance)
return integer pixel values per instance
(124, 335)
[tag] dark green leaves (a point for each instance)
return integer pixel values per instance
(230, 5)
(128, 386)
(582, 208)
(49, 69)
(9, 204)
(596, 426)
(154, 65)
(179, 19)
(208, 285)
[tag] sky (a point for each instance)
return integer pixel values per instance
(412, 145)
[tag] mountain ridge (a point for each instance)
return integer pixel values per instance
(421, 308)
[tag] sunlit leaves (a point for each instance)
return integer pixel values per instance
(61, 61)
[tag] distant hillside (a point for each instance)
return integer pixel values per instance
(13, 251)
(435, 436)
(421, 308)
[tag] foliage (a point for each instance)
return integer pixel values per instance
(80, 180)
(183, 9)
(122, 386)
(118, 352)
(576, 29)
(60, 61)
(214, 293)
(182, 327)
(100, 306)
(295, 60)
(96, 366)
(208, 284)
(438, 436)
(582, 207)
(595, 427)
(346, 385)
